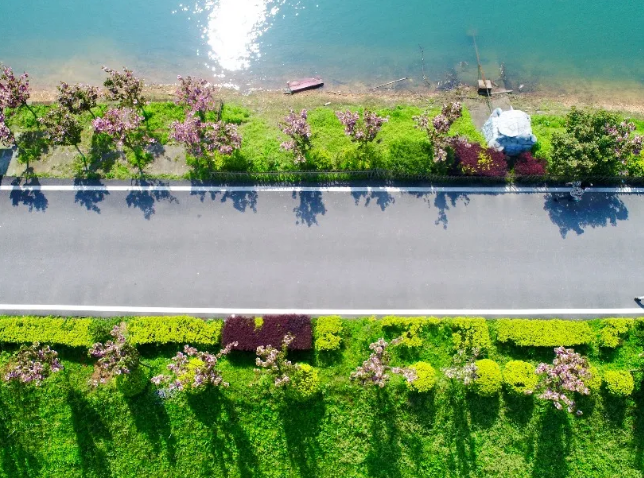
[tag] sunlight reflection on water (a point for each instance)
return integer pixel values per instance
(231, 30)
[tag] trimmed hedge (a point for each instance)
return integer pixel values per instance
(250, 333)
(69, 332)
(180, 330)
(489, 379)
(543, 333)
(613, 330)
(409, 328)
(306, 382)
(594, 383)
(327, 333)
(519, 377)
(426, 377)
(470, 333)
(619, 383)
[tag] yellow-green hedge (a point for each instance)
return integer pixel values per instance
(470, 333)
(543, 333)
(409, 328)
(48, 330)
(179, 330)
(489, 379)
(613, 330)
(328, 332)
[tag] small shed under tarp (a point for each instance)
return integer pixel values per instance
(509, 131)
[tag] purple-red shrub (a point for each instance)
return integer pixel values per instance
(250, 333)
(528, 165)
(473, 160)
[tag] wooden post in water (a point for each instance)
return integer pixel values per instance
(485, 86)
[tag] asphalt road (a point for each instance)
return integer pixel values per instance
(336, 250)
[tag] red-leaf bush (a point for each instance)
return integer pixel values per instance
(528, 165)
(474, 160)
(250, 333)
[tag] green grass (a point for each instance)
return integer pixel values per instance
(67, 429)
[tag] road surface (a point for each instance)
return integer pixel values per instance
(337, 250)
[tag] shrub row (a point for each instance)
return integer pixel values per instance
(543, 333)
(68, 332)
(182, 329)
(250, 333)
(270, 330)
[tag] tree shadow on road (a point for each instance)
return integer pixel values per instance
(145, 200)
(443, 202)
(594, 210)
(382, 198)
(241, 200)
(311, 206)
(89, 198)
(33, 199)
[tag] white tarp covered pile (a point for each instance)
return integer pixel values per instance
(509, 131)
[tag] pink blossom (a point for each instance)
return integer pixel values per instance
(361, 131)
(438, 128)
(373, 371)
(298, 129)
(124, 88)
(14, 92)
(33, 364)
(194, 374)
(6, 136)
(115, 357)
(77, 98)
(118, 123)
(197, 94)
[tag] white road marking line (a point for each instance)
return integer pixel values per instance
(329, 189)
(317, 312)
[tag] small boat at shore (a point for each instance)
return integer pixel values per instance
(305, 84)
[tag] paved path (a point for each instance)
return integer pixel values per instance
(320, 250)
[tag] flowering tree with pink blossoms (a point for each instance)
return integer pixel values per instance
(197, 94)
(124, 88)
(6, 136)
(115, 357)
(272, 362)
(374, 370)
(77, 99)
(32, 364)
(463, 369)
(194, 370)
(203, 138)
(297, 128)
(437, 128)
(14, 93)
(627, 144)
(565, 376)
(361, 130)
(123, 125)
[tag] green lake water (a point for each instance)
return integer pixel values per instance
(261, 43)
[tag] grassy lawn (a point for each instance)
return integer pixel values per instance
(68, 429)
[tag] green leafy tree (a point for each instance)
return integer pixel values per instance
(595, 143)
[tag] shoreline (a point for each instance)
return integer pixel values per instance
(540, 101)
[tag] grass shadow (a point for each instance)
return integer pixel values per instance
(229, 443)
(383, 459)
(519, 408)
(462, 455)
(151, 419)
(553, 445)
(484, 411)
(17, 438)
(90, 432)
(301, 422)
